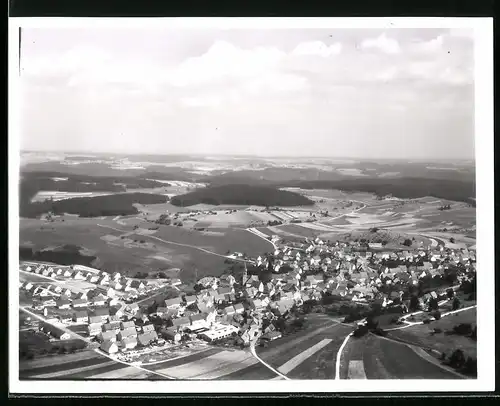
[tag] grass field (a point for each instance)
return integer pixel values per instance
(113, 254)
(421, 334)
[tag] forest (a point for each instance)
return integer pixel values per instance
(241, 194)
(97, 206)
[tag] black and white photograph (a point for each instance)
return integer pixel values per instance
(243, 201)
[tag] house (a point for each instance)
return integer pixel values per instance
(116, 276)
(173, 303)
(136, 284)
(107, 336)
(79, 275)
(67, 273)
(127, 324)
(229, 310)
(63, 303)
(28, 286)
(116, 285)
(113, 326)
(198, 321)
(94, 329)
(171, 335)
(176, 282)
(129, 343)
(80, 316)
(128, 332)
(109, 347)
(189, 299)
(181, 322)
(255, 304)
(49, 303)
(102, 312)
(147, 328)
(238, 307)
(66, 317)
(146, 338)
(99, 300)
(133, 308)
(79, 303)
(54, 331)
(103, 280)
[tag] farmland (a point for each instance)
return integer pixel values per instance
(423, 336)
(378, 358)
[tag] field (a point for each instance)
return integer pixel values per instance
(168, 247)
(421, 334)
(293, 356)
(377, 358)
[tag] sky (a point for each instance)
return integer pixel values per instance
(364, 93)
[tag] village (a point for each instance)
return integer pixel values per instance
(110, 311)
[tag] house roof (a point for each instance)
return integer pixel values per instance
(181, 321)
(80, 313)
(106, 345)
(173, 301)
(107, 335)
(101, 312)
(127, 332)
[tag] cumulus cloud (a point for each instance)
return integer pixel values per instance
(317, 48)
(383, 43)
(223, 59)
(433, 45)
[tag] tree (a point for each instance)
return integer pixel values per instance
(452, 240)
(414, 303)
(450, 293)
(456, 303)
(436, 314)
(433, 304)
(457, 359)
(407, 242)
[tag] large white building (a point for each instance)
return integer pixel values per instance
(218, 331)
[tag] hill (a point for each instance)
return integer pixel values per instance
(241, 194)
(110, 205)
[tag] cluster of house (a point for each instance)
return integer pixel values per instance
(109, 288)
(299, 272)
(316, 269)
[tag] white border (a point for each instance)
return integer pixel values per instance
(483, 39)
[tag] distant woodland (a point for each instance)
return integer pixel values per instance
(241, 194)
(110, 205)
(404, 188)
